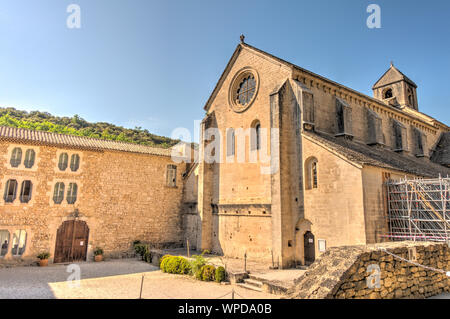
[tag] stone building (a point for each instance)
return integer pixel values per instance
(289, 164)
(316, 154)
(68, 195)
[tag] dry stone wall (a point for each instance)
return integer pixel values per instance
(379, 271)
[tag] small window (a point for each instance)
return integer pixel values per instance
(58, 193)
(258, 136)
(388, 94)
(72, 193)
(246, 90)
(74, 162)
(29, 158)
(171, 176)
(63, 160)
(255, 136)
(16, 157)
(25, 192)
(19, 242)
(230, 142)
(311, 173)
(10, 191)
(4, 242)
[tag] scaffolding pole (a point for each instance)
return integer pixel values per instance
(418, 209)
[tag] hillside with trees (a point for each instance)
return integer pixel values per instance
(75, 125)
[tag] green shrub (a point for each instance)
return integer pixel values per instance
(208, 272)
(220, 274)
(197, 263)
(175, 265)
(162, 262)
(98, 251)
(43, 256)
(140, 249)
(147, 255)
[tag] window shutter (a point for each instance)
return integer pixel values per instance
(74, 162)
(343, 118)
(29, 158)
(16, 157)
(25, 192)
(374, 126)
(63, 159)
(308, 108)
(72, 193)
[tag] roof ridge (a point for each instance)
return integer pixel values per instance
(363, 95)
(46, 137)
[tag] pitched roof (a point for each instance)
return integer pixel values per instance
(392, 75)
(54, 139)
(441, 154)
(428, 120)
(363, 154)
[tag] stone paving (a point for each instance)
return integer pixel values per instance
(112, 279)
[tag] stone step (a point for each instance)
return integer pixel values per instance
(253, 282)
(250, 287)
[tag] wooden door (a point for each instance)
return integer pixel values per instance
(310, 250)
(71, 241)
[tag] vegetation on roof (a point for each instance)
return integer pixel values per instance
(75, 125)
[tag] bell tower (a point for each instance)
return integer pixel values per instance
(396, 89)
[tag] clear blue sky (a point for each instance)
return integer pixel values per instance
(154, 63)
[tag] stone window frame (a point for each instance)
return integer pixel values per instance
(70, 154)
(21, 231)
(25, 199)
(2, 242)
(235, 82)
(28, 244)
(17, 199)
(255, 136)
(7, 197)
(22, 166)
(64, 203)
(171, 175)
(385, 92)
(231, 142)
(311, 178)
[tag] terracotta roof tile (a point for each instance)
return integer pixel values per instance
(55, 139)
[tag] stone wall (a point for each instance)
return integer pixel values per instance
(347, 272)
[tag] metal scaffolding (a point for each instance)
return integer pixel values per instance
(419, 209)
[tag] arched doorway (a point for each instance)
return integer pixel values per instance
(71, 241)
(310, 250)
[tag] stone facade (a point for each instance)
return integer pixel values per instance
(355, 142)
(123, 196)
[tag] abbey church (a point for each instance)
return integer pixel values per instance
(335, 148)
(289, 164)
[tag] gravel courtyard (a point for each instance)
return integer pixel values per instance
(109, 280)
